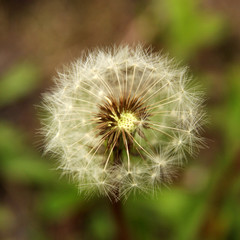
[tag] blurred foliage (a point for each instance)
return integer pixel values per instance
(232, 107)
(190, 29)
(183, 27)
(22, 164)
(11, 89)
(36, 203)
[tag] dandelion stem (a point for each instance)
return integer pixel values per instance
(116, 206)
(122, 229)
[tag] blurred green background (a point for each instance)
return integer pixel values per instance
(38, 36)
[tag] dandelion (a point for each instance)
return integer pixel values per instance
(121, 120)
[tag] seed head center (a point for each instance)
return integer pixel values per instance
(127, 121)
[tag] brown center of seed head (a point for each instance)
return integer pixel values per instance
(120, 116)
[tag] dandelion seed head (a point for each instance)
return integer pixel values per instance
(121, 119)
(127, 121)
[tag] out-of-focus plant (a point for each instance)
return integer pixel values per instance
(182, 25)
(12, 89)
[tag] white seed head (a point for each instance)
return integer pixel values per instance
(111, 110)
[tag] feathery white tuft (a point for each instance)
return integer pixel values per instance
(138, 148)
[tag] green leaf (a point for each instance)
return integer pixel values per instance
(18, 161)
(101, 224)
(59, 202)
(186, 28)
(17, 82)
(232, 114)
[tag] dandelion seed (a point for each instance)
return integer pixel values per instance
(110, 112)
